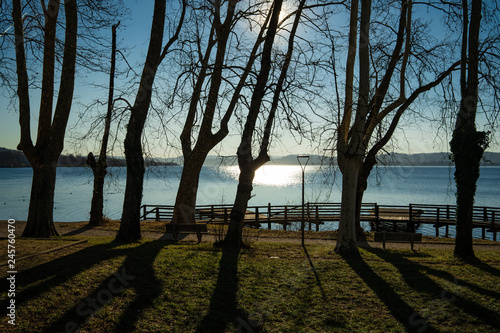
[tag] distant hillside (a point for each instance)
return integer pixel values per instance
(15, 159)
(12, 158)
(429, 159)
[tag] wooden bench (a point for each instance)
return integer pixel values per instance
(397, 216)
(398, 237)
(186, 228)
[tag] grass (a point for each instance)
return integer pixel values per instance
(155, 226)
(160, 286)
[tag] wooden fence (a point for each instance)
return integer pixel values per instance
(379, 216)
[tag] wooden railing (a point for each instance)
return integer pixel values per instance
(409, 217)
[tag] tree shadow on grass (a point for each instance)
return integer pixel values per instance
(223, 309)
(136, 273)
(34, 281)
(404, 313)
(484, 267)
(75, 232)
(413, 274)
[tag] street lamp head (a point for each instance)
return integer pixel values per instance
(303, 160)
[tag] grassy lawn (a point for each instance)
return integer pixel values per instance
(160, 286)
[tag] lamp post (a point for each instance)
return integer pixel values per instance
(303, 160)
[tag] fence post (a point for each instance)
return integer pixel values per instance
(437, 222)
(286, 218)
(157, 214)
(257, 222)
(144, 212)
(269, 216)
(411, 226)
(447, 217)
(225, 215)
(317, 217)
(309, 215)
(493, 226)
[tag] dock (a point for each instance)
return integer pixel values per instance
(380, 217)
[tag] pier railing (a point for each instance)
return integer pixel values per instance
(379, 216)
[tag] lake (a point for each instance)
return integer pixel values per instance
(276, 184)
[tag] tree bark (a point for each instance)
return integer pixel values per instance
(40, 214)
(467, 147)
(364, 173)
(97, 204)
(234, 236)
(185, 202)
(346, 237)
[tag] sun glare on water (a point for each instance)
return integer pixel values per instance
(273, 175)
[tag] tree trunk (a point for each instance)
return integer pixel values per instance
(97, 205)
(346, 238)
(130, 228)
(40, 214)
(246, 162)
(99, 168)
(234, 237)
(360, 191)
(362, 185)
(185, 202)
(467, 144)
(52, 122)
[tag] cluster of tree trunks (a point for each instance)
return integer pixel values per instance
(43, 155)
(357, 146)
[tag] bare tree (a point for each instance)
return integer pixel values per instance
(359, 122)
(468, 144)
(43, 155)
(38, 51)
(130, 222)
(247, 164)
(99, 167)
(199, 134)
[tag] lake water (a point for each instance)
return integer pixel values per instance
(276, 184)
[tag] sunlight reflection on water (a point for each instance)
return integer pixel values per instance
(271, 175)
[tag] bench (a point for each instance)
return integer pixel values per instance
(186, 228)
(398, 237)
(396, 216)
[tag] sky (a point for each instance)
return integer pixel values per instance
(133, 34)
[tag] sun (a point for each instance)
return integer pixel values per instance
(284, 18)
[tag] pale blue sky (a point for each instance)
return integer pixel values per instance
(134, 34)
